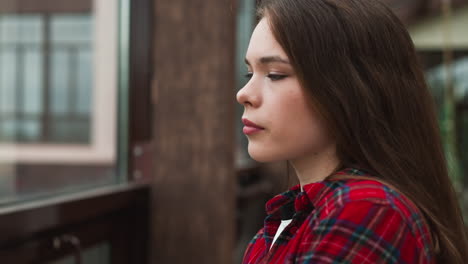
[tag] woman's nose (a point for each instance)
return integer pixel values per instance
(247, 96)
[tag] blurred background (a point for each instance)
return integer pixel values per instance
(120, 136)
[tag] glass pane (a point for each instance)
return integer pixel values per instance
(84, 80)
(99, 254)
(7, 78)
(443, 45)
(59, 98)
(21, 29)
(71, 39)
(244, 23)
(59, 91)
(453, 115)
(70, 130)
(71, 29)
(33, 81)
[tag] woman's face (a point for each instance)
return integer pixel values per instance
(279, 123)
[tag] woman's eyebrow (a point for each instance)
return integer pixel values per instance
(269, 59)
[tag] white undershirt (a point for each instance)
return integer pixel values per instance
(282, 226)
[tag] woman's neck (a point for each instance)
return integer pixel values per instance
(315, 166)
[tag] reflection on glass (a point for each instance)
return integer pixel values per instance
(435, 36)
(71, 78)
(58, 97)
(244, 23)
(46, 78)
(99, 254)
(456, 154)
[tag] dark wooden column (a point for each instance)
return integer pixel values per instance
(193, 125)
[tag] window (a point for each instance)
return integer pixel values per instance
(58, 96)
(73, 85)
(46, 78)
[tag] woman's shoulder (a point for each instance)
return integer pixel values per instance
(370, 214)
(347, 192)
(370, 195)
(359, 189)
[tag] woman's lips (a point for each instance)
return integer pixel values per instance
(250, 130)
(250, 127)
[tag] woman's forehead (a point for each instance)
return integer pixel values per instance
(263, 43)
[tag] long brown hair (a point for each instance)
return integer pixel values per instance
(358, 63)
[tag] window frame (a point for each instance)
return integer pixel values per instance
(119, 213)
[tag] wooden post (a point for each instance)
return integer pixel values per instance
(193, 212)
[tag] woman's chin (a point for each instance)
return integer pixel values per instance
(263, 156)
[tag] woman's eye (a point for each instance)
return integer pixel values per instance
(276, 77)
(248, 76)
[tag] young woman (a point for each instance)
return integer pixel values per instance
(336, 90)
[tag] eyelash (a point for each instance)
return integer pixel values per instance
(276, 77)
(273, 77)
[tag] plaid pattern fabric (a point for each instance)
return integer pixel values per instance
(343, 221)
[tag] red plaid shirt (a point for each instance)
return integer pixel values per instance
(343, 221)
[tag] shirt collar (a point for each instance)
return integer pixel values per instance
(306, 200)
